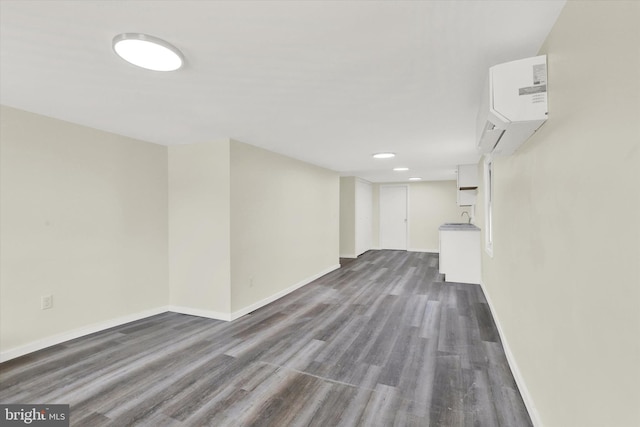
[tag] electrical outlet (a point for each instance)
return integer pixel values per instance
(46, 302)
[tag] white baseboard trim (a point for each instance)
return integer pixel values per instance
(77, 333)
(432, 251)
(101, 326)
(348, 256)
(517, 375)
(210, 314)
(248, 309)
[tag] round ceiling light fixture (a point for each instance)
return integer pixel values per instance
(147, 52)
(415, 178)
(400, 169)
(384, 155)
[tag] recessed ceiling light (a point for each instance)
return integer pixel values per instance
(415, 178)
(147, 52)
(383, 155)
(400, 169)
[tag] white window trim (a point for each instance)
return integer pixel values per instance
(489, 196)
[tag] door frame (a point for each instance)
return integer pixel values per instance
(406, 186)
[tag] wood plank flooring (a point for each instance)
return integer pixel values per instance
(380, 342)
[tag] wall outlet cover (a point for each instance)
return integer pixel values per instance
(46, 302)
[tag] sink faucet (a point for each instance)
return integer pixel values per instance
(465, 212)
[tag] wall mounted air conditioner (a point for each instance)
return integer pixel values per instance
(513, 106)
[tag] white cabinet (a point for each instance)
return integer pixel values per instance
(467, 184)
(460, 253)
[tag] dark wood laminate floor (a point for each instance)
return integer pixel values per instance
(380, 342)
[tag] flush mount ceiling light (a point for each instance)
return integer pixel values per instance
(400, 169)
(383, 155)
(147, 52)
(415, 178)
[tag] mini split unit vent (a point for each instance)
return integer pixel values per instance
(514, 105)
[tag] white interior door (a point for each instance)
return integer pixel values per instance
(364, 217)
(393, 217)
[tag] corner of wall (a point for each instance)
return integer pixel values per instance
(199, 224)
(284, 224)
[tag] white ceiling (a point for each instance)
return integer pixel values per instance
(327, 82)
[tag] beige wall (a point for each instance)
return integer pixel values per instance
(199, 224)
(116, 229)
(284, 223)
(348, 217)
(564, 280)
(431, 204)
(83, 217)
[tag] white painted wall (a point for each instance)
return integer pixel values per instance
(83, 216)
(117, 229)
(564, 280)
(199, 229)
(284, 224)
